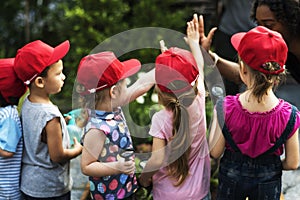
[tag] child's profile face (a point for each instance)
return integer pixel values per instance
(54, 80)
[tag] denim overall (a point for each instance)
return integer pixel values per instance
(241, 176)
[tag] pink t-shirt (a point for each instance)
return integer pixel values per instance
(256, 132)
(196, 185)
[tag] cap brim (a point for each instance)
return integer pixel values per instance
(131, 67)
(59, 52)
(236, 40)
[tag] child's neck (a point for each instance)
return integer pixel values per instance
(104, 106)
(250, 102)
(39, 98)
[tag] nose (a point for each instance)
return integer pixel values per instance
(63, 76)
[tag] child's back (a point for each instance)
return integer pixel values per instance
(11, 140)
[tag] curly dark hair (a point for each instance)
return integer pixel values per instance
(286, 11)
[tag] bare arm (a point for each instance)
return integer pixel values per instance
(90, 166)
(291, 159)
(6, 154)
(54, 141)
(228, 69)
(154, 162)
(216, 138)
(141, 86)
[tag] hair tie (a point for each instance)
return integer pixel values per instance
(177, 104)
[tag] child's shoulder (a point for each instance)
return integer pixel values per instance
(7, 111)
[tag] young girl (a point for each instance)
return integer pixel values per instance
(256, 124)
(179, 166)
(102, 83)
(47, 150)
(11, 140)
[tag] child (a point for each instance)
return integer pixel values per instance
(102, 83)
(257, 123)
(11, 141)
(47, 152)
(179, 165)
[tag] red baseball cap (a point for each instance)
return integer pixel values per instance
(259, 46)
(10, 84)
(102, 70)
(175, 64)
(35, 56)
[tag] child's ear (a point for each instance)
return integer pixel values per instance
(39, 82)
(113, 91)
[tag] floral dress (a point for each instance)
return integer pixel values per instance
(118, 141)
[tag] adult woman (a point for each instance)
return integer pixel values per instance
(280, 16)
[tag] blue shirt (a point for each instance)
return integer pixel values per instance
(10, 140)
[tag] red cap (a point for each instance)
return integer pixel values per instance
(34, 57)
(259, 46)
(175, 64)
(10, 84)
(102, 70)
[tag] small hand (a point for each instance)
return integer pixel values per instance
(126, 167)
(144, 182)
(77, 145)
(205, 42)
(193, 30)
(163, 47)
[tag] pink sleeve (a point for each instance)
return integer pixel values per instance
(160, 127)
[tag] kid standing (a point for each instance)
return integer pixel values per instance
(257, 124)
(102, 83)
(11, 140)
(179, 165)
(45, 163)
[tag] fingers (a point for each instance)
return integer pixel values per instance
(163, 47)
(201, 26)
(129, 167)
(211, 34)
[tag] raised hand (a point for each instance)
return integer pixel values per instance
(205, 41)
(193, 30)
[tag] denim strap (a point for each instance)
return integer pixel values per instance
(282, 139)
(287, 131)
(221, 120)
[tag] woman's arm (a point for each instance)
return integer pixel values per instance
(228, 69)
(154, 162)
(291, 160)
(91, 166)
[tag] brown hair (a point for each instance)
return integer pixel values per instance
(262, 82)
(180, 141)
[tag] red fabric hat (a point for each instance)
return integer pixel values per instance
(175, 64)
(259, 46)
(34, 57)
(102, 70)
(10, 84)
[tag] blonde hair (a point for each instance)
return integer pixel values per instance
(180, 140)
(89, 101)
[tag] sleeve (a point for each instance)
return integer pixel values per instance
(158, 128)
(10, 135)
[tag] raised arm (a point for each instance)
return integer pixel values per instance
(193, 41)
(145, 82)
(228, 69)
